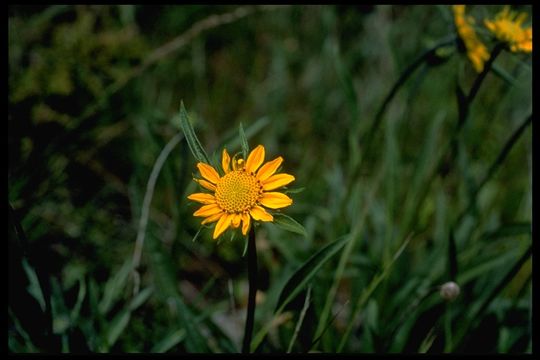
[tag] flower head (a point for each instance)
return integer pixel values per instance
(449, 291)
(476, 50)
(507, 27)
(242, 193)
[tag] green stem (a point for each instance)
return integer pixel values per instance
(464, 106)
(467, 101)
(495, 165)
(476, 86)
(252, 278)
(367, 139)
(448, 329)
(402, 79)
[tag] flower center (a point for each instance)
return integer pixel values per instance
(238, 191)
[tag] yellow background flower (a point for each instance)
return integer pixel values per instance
(242, 193)
(476, 50)
(507, 27)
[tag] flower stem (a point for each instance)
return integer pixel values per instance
(464, 108)
(252, 278)
(401, 80)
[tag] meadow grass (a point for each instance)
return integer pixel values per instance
(412, 170)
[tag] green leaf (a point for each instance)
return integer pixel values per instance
(300, 319)
(193, 142)
(117, 326)
(368, 291)
(294, 190)
(297, 281)
(197, 234)
(34, 288)
(120, 321)
(166, 285)
(80, 298)
(504, 75)
(427, 342)
(301, 276)
(141, 298)
(288, 223)
(243, 141)
(196, 342)
(507, 230)
(114, 286)
(169, 341)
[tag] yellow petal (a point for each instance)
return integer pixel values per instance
(269, 168)
(255, 159)
(275, 200)
(206, 184)
(277, 181)
(207, 210)
(213, 218)
(208, 172)
(222, 225)
(258, 213)
(236, 220)
(203, 198)
(245, 223)
(225, 161)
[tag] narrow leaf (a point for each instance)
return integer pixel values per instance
(169, 341)
(34, 287)
(193, 142)
(114, 287)
(117, 326)
(243, 141)
(294, 190)
(504, 75)
(296, 282)
(166, 289)
(300, 319)
(288, 223)
(366, 294)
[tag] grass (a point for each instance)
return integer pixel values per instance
(411, 171)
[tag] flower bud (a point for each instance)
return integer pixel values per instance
(449, 291)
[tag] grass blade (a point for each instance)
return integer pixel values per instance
(114, 286)
(368, 291)
(300, 278)
(307, 271)
(193, 142)
(243, 141)
(300, 319)
(169, 341)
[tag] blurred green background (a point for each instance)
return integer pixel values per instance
(94, 94)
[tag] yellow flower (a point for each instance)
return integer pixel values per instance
(240, 194)
(476, 50)
(507, 28)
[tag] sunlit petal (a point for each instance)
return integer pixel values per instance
(269, 168)
(275, 200)
(258, 213)
(208, 172)
(202, 198)
(255, 159)
(222, 225)
(277, 181)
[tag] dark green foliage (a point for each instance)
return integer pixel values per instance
(411, 171)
